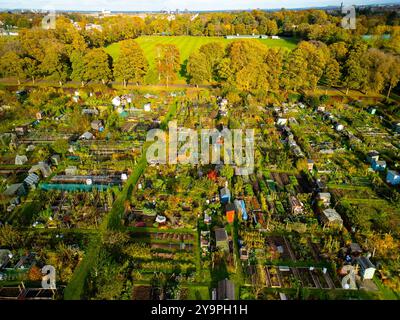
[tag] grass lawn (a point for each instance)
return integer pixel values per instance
(187, 45)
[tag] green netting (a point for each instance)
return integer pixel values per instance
(72, 187)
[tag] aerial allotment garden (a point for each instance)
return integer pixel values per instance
(98, 211)
(318, 217)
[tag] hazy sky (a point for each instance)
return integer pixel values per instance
(148, 5)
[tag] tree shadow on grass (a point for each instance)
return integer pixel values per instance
(183, 71)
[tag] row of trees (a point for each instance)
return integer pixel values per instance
(250, 66)
(64, 54)
(41, 56)
(307, 24)
(216, 23)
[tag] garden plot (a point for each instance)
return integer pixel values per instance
(302, 248)
(281, 179)
(61, 209)
(287, 277)
(273, 278)
(63, 250)
(280, 248)
(166, 240)
(161, 257)
(170, 197)
(306, 278)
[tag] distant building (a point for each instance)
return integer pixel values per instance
(92, 26)
(367, 268)
(330, 217)
(5, 256)
(90, 111)
(207, 218)
(393, 177)
(281, 121)
(21, 130)
(204, 239)
(221, 239)
(244, 254)
(226, 290)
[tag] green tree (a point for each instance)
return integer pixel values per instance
(393, 72)
(355, 74)
(332, 72)
(11, 64)
(213, 52)
(131, 64)
(97, 66)
(198, 68)
(78, 67)
(56, 64)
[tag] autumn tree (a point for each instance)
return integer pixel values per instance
(393, 72)
(213, 52)
(203, 65)
(97, 66)
(78, 67)
(56, 64)
(12, 65)
(354, 73)
(198, 68)
(91, 65)
(131, 65)
(167, 62)
(332, 73)
(294, 71)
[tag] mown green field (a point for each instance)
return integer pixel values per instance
(187, 45)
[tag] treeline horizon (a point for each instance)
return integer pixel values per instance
(327, 54)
